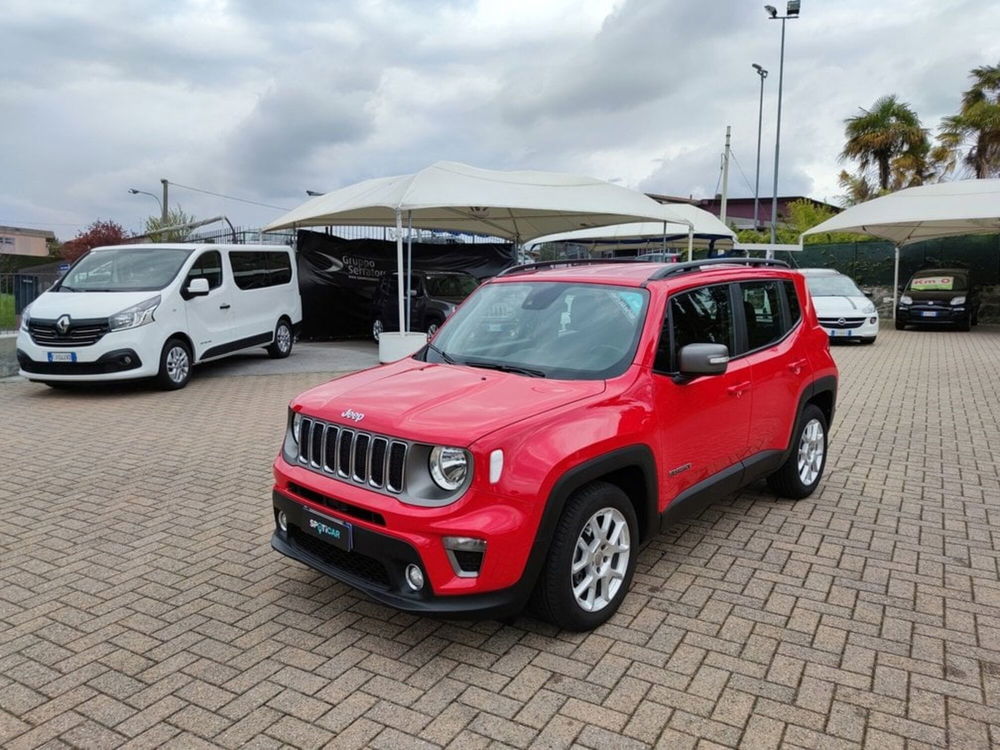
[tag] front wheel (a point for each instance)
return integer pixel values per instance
(900, 325)
(965, 324)
(378, 328)
(868, 340)
(591, 559)
(799, 476)
(281, 347)
(175, 365)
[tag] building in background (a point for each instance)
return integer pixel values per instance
(20, 241)
(739, 211)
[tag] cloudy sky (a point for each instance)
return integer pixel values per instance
(263, 100)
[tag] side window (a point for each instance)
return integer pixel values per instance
(794, 309)
(699, 316)
(762, 312)
(279, 268)
(249, 269)
(208, 266)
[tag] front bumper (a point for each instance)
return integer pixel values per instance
(932, 314)
(119, 355)
(868, 329)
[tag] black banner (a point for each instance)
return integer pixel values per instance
(337, 277)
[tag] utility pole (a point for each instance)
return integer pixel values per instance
(725, 177)
(165, 211)
(760, 121)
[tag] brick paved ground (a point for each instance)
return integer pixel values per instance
(141, 605)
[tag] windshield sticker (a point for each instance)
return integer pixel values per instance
(631, 303)
(933, 283)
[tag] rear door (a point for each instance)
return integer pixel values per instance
(704, 421)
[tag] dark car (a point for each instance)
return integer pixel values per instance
(434, 295)
(939, 296)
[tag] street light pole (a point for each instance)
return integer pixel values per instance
(163, 208)
(760, 121)
(792, 12)
(133, 191)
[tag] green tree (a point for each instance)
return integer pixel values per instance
(802, 214)
(175, 217)
(975, 130)
(887, 136)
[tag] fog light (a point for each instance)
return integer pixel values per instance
(873, 320)
(282, 521)
(414, 577)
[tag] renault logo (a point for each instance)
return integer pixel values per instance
(62, 325)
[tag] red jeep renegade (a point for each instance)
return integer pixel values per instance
(561, 418)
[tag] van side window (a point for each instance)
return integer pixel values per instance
(762, 312)
(699, 316)
(257, 269)
(208, 266)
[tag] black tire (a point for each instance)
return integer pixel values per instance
(432, 328)
(900, 325)
(378, 328)
(175, 369)
(788, 481)
(966, 323)
(281, 346)
(553, 599)
(868, 340)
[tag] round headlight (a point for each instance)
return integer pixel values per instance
(448, 467)
(296, 426)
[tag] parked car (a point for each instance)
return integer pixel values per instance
(486, 472)
(156, 310)
(843, 309)
(434, 295)
(659, 257)
(939, 296)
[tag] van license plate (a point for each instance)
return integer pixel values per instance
(330, 530)
(62, 356)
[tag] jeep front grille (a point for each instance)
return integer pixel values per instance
(352, 456)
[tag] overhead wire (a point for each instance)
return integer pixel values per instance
(228, 197)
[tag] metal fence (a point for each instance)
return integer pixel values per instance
(17, 291)
(246, 236)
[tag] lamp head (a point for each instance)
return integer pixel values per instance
(793, 8)
(771, 11)
(133, 191)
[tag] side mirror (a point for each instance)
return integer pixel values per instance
(413, 292)
(703, 359)
(197, 287)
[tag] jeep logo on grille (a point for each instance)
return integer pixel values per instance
(351, 414)
(62, 325)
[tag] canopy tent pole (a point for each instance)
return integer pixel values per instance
(399, 264)
(895, 282)
(690, 242)
(409, 266)
(665, 237)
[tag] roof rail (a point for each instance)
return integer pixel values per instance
(694, 265)
(539, 265)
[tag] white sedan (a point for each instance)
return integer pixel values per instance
(843, 309)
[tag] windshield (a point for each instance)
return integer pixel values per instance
(832, 286)
(545, 329)
(938, 282)
(456, 287)
(125, 269)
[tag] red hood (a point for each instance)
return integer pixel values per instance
(445, 404)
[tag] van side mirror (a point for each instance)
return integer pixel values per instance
(703, 359)
(197, 287)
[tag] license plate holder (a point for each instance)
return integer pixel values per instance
(928, 313)
(331, 530)
(62, 356)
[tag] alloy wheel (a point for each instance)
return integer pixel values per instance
(812, 446)
(600, 559)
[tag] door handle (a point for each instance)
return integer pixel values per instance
(796, 367)
(738, 389)
(224, 307)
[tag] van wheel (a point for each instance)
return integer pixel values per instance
(377, 328)
(799, 476)
(591, 559)
(175, 365)
(281, 347)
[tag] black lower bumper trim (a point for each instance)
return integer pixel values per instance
(119, 360)
(393, 555)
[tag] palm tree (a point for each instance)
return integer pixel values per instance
(884, 133)
(976, 128)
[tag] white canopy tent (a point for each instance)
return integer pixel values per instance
(518, 206)
(945, 209)
(702, 230)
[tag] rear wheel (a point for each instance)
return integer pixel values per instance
(591, 559)
(432, 328)
(175, 365)
(281, 347)
(799, 476)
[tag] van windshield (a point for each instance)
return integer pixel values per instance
(124, 269)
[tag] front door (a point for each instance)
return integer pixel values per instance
(704, 421)
(210, 316)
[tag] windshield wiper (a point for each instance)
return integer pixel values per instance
(446, 357)
(507, 368)
(64, 287)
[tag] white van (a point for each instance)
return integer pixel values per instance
(154, 311)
